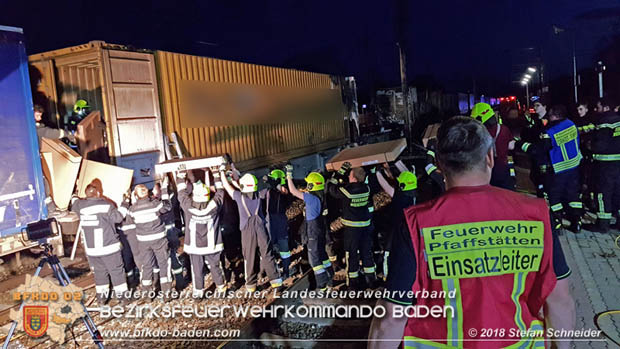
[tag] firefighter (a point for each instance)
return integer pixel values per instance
(276, 203)
(502, 143)
(531, 134)
(455, 234)
(401, 258)
(316, 230)
(253, 230)
(605, 146)
(403, 195)
(80, 111)
(103, 247)
(130, 251)
(558, 151)
(203, 239)
(356, 218)
(172, 233)
(229, 226)
(151, 234)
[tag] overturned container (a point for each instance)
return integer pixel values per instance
(260, 115)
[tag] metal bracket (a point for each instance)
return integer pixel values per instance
(30, 192)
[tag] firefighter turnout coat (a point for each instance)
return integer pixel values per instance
(490, 250)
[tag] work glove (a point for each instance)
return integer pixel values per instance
(373, 169)
(126, 197)
(346, 166)
(289, 170)
(165, 182)
(223, 168)
(430, 157)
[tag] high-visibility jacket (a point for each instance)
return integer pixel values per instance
(564, 153)
(490, 250)
(146, 214)
(97, 219)
(606, 138)
(357, 203)
(202, 232)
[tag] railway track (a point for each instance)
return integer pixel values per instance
(302, 331)
(255, 332)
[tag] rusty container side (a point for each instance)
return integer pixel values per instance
(65, 76)
(251, 146)
(119, 82)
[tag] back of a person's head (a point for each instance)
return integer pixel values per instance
(359, 174)
(91, 191)
(559, 111)
(462, 145)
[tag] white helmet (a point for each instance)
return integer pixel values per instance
(248, 183)
(200, 192)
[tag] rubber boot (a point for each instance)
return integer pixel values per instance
(371, 280)
(575, 226)
(330, 275)
(286, 270)
(166, 289)
(101, 299)
(355, 284)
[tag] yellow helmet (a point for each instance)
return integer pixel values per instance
(80, 105)
(248, 183)
(278, 175)
(315, 181)
(407, 181)
(482, 112)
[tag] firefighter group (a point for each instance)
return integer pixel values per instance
(224, 220)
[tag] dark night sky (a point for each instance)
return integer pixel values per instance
(450, 41)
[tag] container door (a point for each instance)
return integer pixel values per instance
(21, 180)
(137, 142)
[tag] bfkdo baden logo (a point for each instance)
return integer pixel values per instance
(48, 308)
(35, 320)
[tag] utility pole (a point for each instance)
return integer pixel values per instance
(400, 29)
(575, 71)
(600, 68)
(527, 95)
(403, 86)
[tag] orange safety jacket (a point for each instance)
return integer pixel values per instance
(491, 250)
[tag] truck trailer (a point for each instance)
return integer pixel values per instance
(22, 191)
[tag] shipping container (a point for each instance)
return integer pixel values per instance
(142, 94)
(121, 84)
(255, 145)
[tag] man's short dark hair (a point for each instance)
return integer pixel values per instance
(462, 145)
(359, 174)
(39, 108)
(559, 111)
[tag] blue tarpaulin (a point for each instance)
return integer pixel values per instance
(21, 180)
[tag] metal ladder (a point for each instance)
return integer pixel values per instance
(173, 149)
